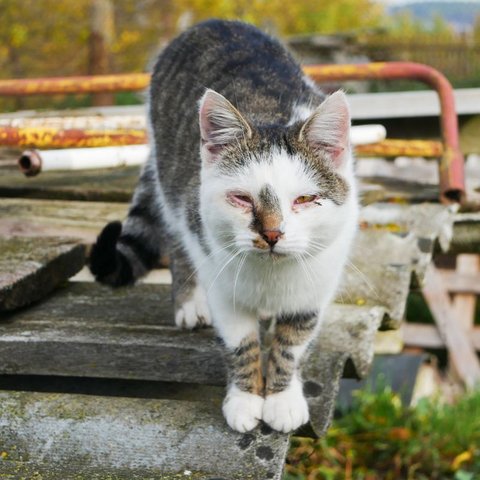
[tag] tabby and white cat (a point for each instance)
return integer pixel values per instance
(254, 201)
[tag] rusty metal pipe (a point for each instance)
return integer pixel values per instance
(78, 84)
(39, 137)
(451, 167)
(401, 148)
(452, 180)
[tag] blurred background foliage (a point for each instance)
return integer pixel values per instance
(58, 38)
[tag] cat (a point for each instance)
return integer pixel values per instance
(250, 191)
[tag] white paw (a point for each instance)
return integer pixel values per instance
(242, 410)
(194, 312)
(286, 411)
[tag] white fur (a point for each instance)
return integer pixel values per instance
(287, 410)
(243, 283)
(242, 410)
(194, 312)
(284, 284)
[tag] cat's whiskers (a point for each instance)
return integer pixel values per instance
(351, 265)
(237, 275)
(363, 277)
(225, 265)
(302, 263)
(208, 257)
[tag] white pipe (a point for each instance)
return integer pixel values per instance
(33, 162)
(366, 134)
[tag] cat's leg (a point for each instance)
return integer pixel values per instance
(285, 408)
(242, 407)
(125, 252)
(189, 299)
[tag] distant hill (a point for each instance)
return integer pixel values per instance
(459, 14)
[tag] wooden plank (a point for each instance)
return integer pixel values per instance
(410, 104)
(63, 436)
(461, 351)
(380, 260)
(364, 106)
(91, 330)
(464, 304)
(31, 268)
(88, 330)
(456, 282)
(427, 336)
(84, 220)
(106, 185)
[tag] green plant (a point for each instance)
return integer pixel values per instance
(381, 439)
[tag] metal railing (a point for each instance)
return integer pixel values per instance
(451, 164)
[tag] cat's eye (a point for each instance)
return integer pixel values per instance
(241, 200)
(302, 199)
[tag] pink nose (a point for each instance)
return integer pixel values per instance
(271, 236)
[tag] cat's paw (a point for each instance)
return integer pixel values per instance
(242, 410)
(286, 411)
(193, 312)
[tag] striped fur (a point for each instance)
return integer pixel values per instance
(245, 369)
(240, 141)
(292, 330)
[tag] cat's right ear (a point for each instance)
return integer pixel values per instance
(220, 124)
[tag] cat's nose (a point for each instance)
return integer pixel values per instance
(271, 236)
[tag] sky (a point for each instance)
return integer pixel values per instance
(402, 2)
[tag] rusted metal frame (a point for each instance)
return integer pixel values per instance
(52, 137)
(79, 84)
(401, 148)
(58, 138)
(452, 182)
(451, 166)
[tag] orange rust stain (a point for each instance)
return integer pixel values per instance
(335, 72)
(45, 137)
(397, 148)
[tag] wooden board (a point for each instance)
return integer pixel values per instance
(428, 336)
(88, 330)
(84, 220)
(32, 268)
(87, 437)
(461, 351)
(105, 185)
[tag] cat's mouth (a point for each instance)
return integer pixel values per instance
(271, 254)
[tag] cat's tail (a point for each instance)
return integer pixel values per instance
(124, 252)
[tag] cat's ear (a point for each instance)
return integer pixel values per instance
(220, 123)
(327, 131)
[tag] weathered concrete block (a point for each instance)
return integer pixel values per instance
(65, 436)
(30, 268)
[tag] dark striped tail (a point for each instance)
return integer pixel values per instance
(107, 264)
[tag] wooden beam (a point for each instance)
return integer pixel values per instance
(462, 354)
(461, 282)
(427, 336)
(464, 303)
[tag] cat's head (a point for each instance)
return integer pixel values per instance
(281, 190)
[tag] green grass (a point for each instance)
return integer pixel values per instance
(381, 439)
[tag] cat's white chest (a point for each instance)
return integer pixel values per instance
(262, 287)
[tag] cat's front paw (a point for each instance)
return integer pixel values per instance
(193, 312)
(286, 411)
(242, 410)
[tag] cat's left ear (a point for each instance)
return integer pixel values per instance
(220, 124)
(327, 131)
